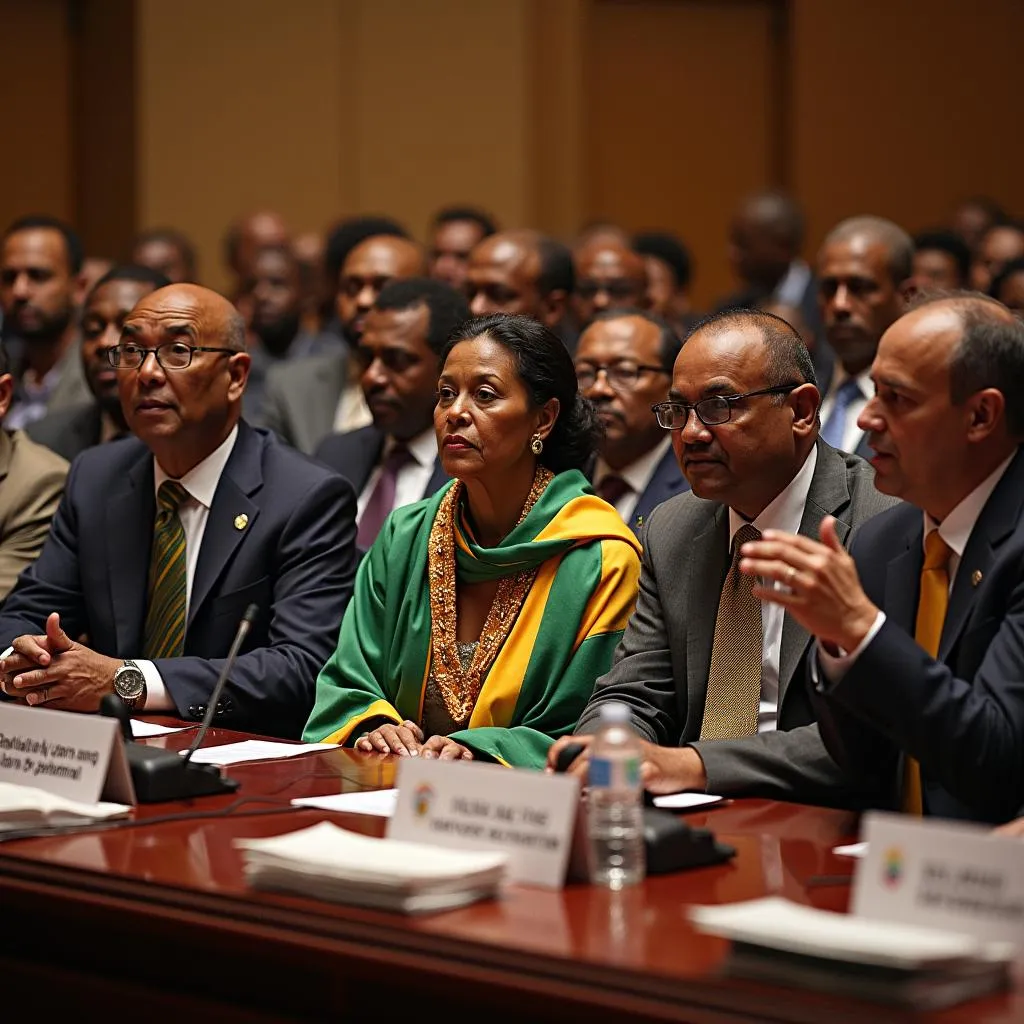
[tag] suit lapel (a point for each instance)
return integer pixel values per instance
(666, 481)
(707, 565)
(6, 452)
(130, 514)
(318, 404)
(232, 515)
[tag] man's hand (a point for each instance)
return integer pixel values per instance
(580, 766)
(52, 669)
(405, 740)
(819, 584)
(445, 749)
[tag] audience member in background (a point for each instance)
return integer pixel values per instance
(310, 398)
(920, 628)
(70, 431)
(274, 294)
(310, 249)
(520, 271)
(601, 231)
(1008, 286)
(865, 266)
(456, 231)
(31, 483)
(795, 318)
(163, 540)
(168, 252)
(624, 365)
(93, 268)
(668, 266)
(942, 262)
(40, 260)
(974, 216)
(484, 614)
(395, 461)
(246, 237)
(1000, 244)
(609, 275)
(714, 678)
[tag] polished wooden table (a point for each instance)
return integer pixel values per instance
(157, 920)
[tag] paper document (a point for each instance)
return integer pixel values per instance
(254, 750)
(380, 802)
(26, 806)
(853, 850)
(144, 730)
(686, 801)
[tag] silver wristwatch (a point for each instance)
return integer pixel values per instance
(130, 684)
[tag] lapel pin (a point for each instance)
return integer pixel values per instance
(241, 521)
(639, 521)
(975, 577)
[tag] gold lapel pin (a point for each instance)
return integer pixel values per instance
(975, 577)
(241, 521)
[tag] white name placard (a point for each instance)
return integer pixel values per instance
(77, 756)
(951, 875)
(529, 815)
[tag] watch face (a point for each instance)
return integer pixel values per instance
(129, 682)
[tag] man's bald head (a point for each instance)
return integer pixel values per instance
(251, 233)
(609, 275)
(368, 267)
(765, 236)
(218, 316)
(871, 231)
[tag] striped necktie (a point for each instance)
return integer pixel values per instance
(931, 614)
(165, 615)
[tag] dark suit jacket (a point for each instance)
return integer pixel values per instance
(661, 666)
(666, 482)
(69, 431)
(962, 715)
(293, 557)
(300, 398)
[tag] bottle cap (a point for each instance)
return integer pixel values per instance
(615, 711)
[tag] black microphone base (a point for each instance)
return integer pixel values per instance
(160, 775)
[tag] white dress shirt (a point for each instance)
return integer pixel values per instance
(637, 474)
(852, 434)
(351, 412)
(412, 479)
(201, 483)
(791, 289)
(784, 513)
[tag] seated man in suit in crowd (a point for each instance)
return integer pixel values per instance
(167, 251)
(865, 268)
(454, 233)
(609, 275)
(712, 676)
(624, 363)
(162, 541)
(669, 269)
(921, 627)
(394, 462)
(310, 398)
(31, 483)
(942, 262)
(70, 431)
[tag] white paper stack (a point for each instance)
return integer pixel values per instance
(27, 807)
(327, 862)
(785, 943)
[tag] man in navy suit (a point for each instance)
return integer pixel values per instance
(920, 656)
(624, 365)
(394, 462)
(163, 540)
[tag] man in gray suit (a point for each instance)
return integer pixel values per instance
(712, 677)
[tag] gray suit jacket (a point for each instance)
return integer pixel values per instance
(301, 398)
(660, 668)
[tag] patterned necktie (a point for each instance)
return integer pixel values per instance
(834, 429)
(612, 488)
(931, 614)
(734, 682)
(382, 498)
(165, 616)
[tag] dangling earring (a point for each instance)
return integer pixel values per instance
(536, 445)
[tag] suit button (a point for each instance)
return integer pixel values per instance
(197, 710)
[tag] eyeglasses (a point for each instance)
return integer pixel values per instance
(710, 411)
(617, 288)
(173, 356)
(619, 375)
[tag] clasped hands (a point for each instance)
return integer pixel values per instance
(406, 740)
(53, 670)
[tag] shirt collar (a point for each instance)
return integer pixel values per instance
(201, 480)
(790, 290)
(840, 376)
(956, 528)
(639, 472)
(422, 447)
(786, 509)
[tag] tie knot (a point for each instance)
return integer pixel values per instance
(744, 535)
(612, 487)
(170, 496)
(397, 458)
(849, 389)
(936, 551)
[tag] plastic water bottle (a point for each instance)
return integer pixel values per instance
(615, 801)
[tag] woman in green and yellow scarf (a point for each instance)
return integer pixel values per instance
(483, 615)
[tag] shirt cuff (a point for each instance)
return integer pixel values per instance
(157, 697)
(835, 667)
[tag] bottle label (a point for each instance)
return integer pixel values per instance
(621, 773)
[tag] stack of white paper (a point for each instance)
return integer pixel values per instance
(27, 807)
(784, 942)
(327, 862)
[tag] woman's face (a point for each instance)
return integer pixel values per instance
(484, 418)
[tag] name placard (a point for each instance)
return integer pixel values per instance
(951, 875)
(486, 806)
(77, 756)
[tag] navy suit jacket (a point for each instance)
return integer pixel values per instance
(293, 556)
(960, 715)
(666, 482)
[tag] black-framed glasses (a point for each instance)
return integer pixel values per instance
(174, 355)
(711, 411)
(619, 375)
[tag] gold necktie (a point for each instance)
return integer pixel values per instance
(931, 614)
(734, 682)
(165, 616)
